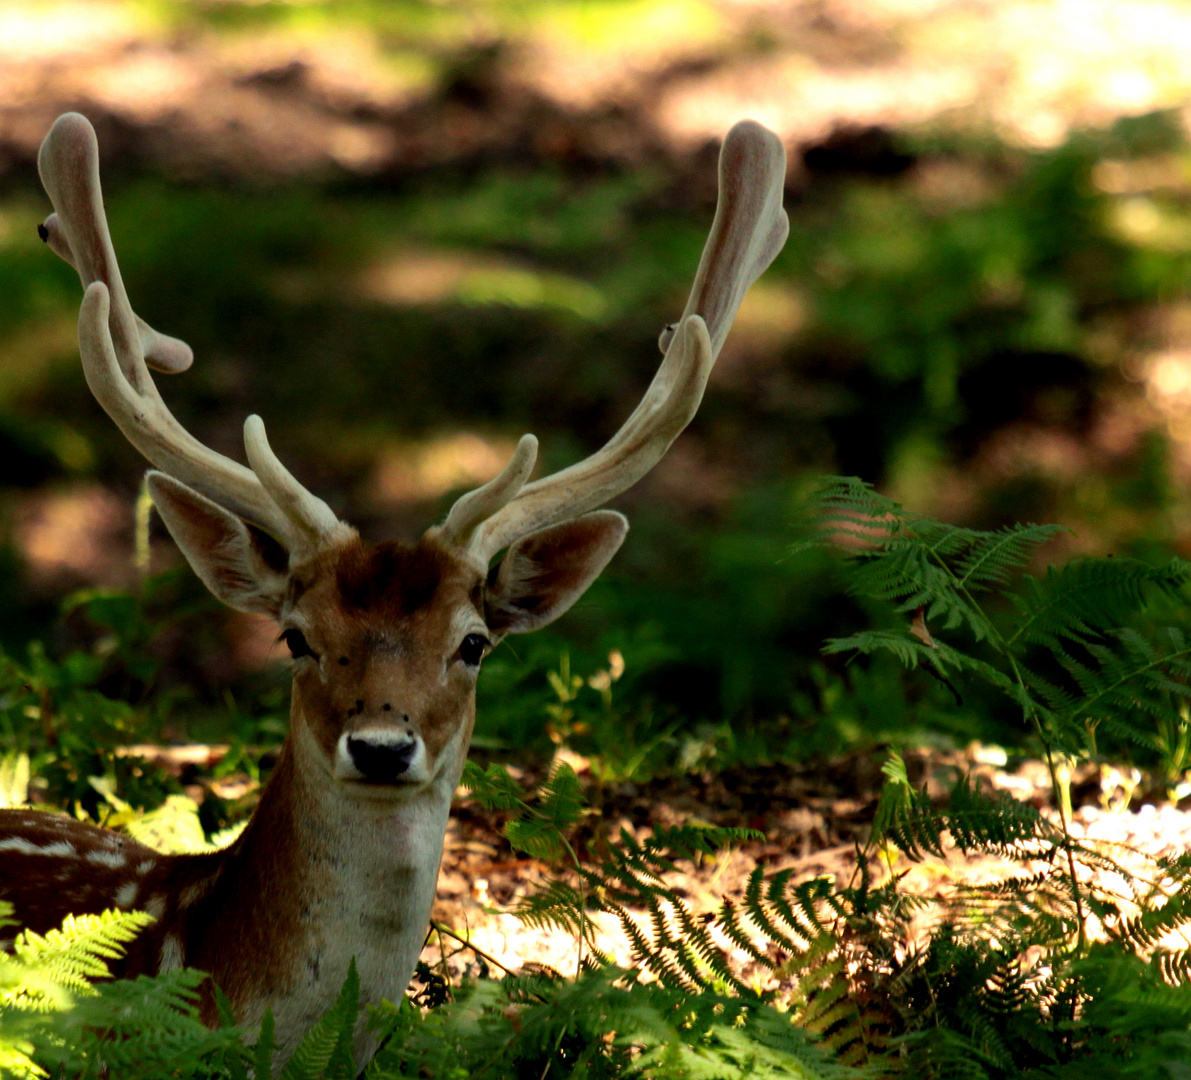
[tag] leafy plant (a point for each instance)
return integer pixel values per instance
(1067, 649)
(1049, 970)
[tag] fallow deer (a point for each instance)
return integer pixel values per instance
(341, 857)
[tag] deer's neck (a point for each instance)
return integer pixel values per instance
(320, 877)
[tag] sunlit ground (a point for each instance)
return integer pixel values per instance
(210, 72)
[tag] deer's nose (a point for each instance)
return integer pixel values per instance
(380, 760)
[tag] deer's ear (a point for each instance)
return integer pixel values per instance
(544, 573)
(241, 566)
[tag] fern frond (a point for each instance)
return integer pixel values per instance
(47, 968)
(994, 558)
(1087, 598)
(138, 1029)
(914, 562)
(325, 1052)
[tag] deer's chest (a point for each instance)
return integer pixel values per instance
(367, 900)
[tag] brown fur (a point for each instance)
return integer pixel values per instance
(386, 610)
(391, 579)
(329, 866)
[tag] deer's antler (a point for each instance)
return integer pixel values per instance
(749, 230)
(118, 348)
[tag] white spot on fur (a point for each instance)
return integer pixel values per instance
(126, 894)
(26, 847)
(171, 954)
(114, 859)
(60, 847)
(146, 866)
(156, 906)
(195, 892)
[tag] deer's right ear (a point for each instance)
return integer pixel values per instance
(235, 562)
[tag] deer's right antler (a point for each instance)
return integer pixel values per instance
(118, 348)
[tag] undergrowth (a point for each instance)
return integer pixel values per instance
(1066, 965)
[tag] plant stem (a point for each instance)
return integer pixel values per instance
(442, 930)
(582, 903)
(1030, 714)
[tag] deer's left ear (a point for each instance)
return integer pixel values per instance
(544, 573)
(235, 562)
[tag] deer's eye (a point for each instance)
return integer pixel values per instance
(471, 649)
(298, 645)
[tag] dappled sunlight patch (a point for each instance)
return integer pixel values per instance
(1059, 64)
(1145, 223)
(431, 277)
(1166, 379)
(348, 64)
(806, 101)
(428, 470)
(580, 54)
(35, 30)
(81, 532)
(1163, 172)
(144, 85)
(1035, 69)
(302, 88)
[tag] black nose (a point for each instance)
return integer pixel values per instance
(380, 762)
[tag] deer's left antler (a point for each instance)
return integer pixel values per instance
(749, 230)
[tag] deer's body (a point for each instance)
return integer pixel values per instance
(340, 858)
(275, 919)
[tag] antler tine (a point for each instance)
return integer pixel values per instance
(161, 352)
(749, 230)
(476, 506)
(308, 513)
(115, 347)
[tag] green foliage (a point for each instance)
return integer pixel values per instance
(71, 716)
(605, 1024)
(53, 1014)
(325, 1053)
(1001, 980)
(1064, 966)
(1070, 650)
(142, 1029)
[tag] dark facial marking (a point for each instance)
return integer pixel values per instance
(391, 578)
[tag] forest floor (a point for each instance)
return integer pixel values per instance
(813, 818)
(198, 93)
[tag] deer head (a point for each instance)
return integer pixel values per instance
(388, 639)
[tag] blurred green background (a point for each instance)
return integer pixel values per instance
(407, 232)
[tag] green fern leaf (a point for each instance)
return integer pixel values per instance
(325, 1052)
